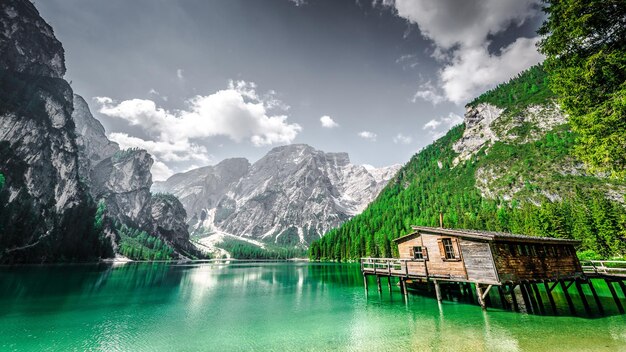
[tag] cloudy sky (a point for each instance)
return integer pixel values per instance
(198, 81)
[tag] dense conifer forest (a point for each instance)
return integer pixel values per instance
(429, 184)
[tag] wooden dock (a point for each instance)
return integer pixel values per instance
(612, 272)
(479, 261)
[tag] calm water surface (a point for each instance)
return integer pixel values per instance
(265, 307)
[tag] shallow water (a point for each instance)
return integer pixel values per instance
(266, 307)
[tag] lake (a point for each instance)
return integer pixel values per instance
(266, 307)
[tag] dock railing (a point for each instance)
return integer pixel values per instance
(604, 267)
(388, 266)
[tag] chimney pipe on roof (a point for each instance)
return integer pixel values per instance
(441, 220)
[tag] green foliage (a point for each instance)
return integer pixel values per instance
(98, 221)
(1, 181)
(422, 190)
(165, 197)
(244, 250)
(122, 155)
(585, 48)
(528, 88)
(139, 245)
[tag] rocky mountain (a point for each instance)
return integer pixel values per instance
(120, 180)
(509, 167)
(67, 193)
(45, 209)
(290, 197)
(93, 144)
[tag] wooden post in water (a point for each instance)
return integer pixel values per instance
(403, 285)
(595, 296)
(365, 281)
(539, 299)
(468, 291)
(567, 297)
(437, 290)
(531, 297)
(479, 295)
(527, 304)
(380, 289)
(615, 297)
(389, 282)
(581, 293)
(514, 298)
(503, 300)
(550, 297)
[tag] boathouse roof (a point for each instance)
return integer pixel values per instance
(484, 235)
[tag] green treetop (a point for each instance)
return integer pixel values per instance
(585, 46)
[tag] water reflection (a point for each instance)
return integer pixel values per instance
(261, 306)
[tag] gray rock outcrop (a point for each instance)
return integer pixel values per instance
(291, 196)
(45, 213)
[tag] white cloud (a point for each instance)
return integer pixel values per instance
(103, 100)
(428, 92)
(179, 74)
(177, 151)
(328, 122)
(460, 32)
(438, 127)
(298, 2)
(371, 136)
(237, 112)
(475, 70)
(402, 139)
(233, 112)
(160, 171)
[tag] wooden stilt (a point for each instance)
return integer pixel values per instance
(378, 283)
(468, 292)
(406, 293)
(503, 300)
(437, 290)
(542, 309)
(479, 296)
(365, 282)
(527, 304)
(615, 297)
(567, 297)
(581, 293)
(595, 297)
(389, 283)
(514, 298)
(550, 297)
(531, 297)
(487, 299)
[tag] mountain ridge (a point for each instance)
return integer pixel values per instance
(289, 197)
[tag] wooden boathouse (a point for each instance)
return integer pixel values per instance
(486, 260)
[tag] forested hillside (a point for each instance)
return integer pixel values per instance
(526, 181)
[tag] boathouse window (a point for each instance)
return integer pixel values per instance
(448, 248)
(418, 253)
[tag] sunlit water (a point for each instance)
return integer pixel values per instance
(265, 307)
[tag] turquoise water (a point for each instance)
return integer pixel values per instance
(264, 307)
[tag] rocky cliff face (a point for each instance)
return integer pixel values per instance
(46, 212)
(552, 177)
(93, 144)
(170, 220)
(124, 181)
(27, 42)
(290, 197)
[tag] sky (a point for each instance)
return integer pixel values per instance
(197, 81)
